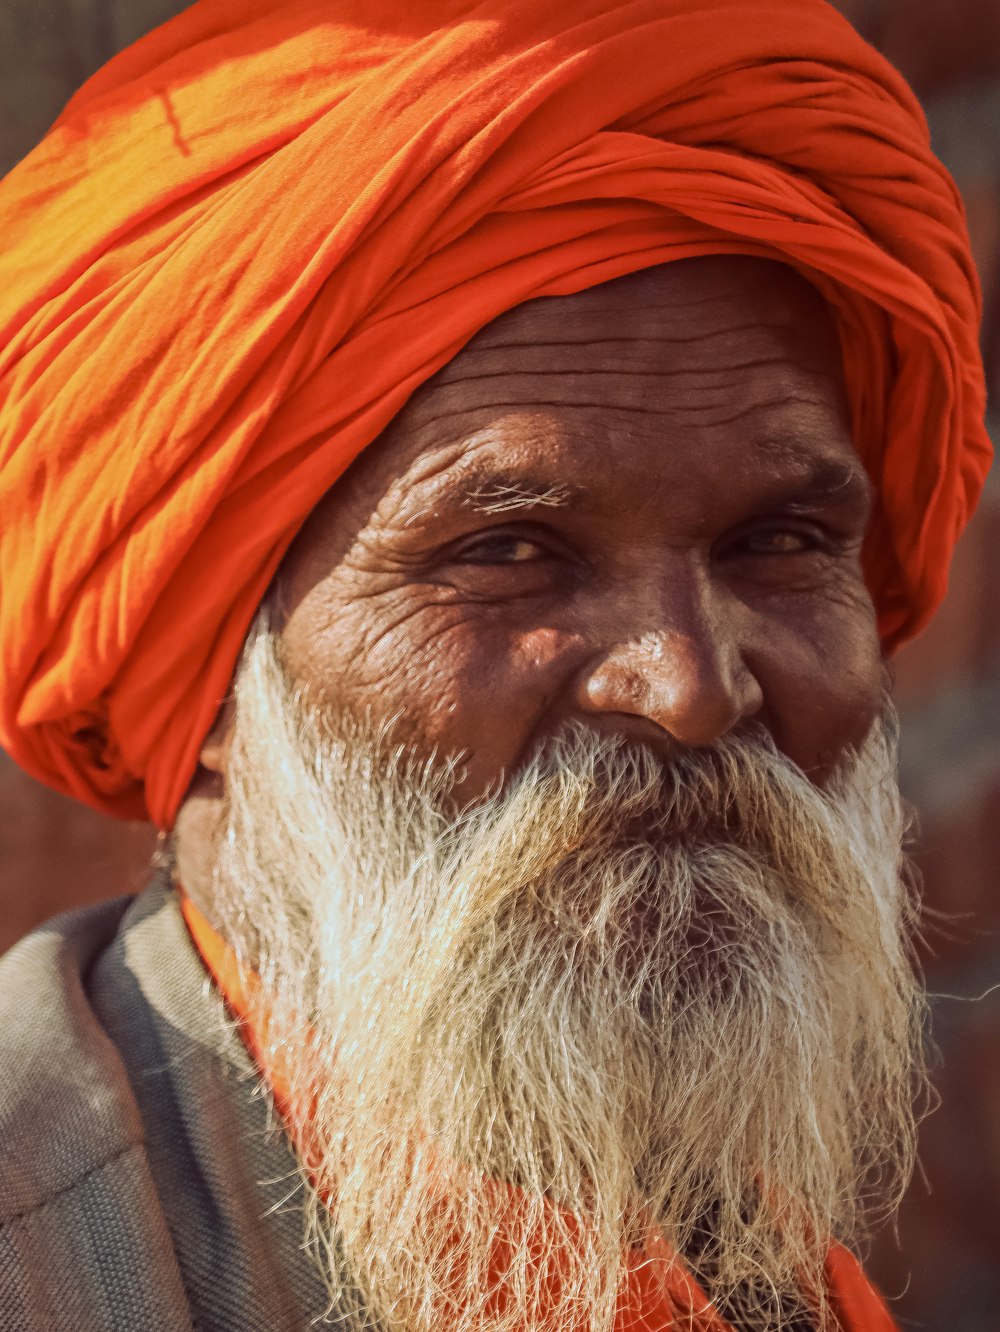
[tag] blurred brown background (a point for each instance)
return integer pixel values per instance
(944, 1270)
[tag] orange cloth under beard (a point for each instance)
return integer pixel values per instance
(659, 1293)
(252, 235)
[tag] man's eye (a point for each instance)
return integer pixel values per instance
(780, 541)
(500, 549)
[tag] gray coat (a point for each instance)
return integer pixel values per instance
(143, 1184)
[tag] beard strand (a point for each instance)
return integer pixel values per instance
(617, 1001)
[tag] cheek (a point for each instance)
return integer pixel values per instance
(393, 661)
(482, 690)
(823, 682)
(447, 678)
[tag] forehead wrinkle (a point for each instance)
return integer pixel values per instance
(511, 409)
(586, 338)
(657, 291)
(769, 400)
(572, 374)
(813, 412)
(819, 430)
(645, 354)
(477, 389)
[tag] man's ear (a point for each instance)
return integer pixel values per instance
(214, 755)
(199, 818)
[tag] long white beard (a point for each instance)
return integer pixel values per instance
(668, 998)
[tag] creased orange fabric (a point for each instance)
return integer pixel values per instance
(659, 1294)
(250, 236)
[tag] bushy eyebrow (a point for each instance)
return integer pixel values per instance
(498, 496)
(828, 480)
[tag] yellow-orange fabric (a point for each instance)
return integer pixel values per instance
(658, 1295)
(253, 234)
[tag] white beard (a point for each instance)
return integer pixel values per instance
(669, 998)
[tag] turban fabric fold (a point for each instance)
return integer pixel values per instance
(253, 234)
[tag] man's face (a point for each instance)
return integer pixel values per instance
(639, 950)
(637, 507)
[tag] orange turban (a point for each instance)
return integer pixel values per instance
(252, 235)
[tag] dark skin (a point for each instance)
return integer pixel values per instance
(637, 507)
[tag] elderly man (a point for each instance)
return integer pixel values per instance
(463, 469)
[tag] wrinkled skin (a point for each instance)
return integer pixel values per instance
(637, 507)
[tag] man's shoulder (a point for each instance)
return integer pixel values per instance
(66, 1107)
(83, 1242)
(143, 1183)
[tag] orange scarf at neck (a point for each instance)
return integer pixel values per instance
(658, 1294)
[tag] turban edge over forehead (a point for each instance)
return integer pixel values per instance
(252, 235)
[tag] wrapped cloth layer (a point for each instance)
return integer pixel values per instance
(252, 235)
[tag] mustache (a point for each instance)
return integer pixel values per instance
(583, 802)
(721, 785)
(613, 791)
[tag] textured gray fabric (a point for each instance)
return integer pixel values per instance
(143, 1183)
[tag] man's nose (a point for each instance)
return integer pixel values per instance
(685, 674)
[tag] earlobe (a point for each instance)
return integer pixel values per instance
(214, 755)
